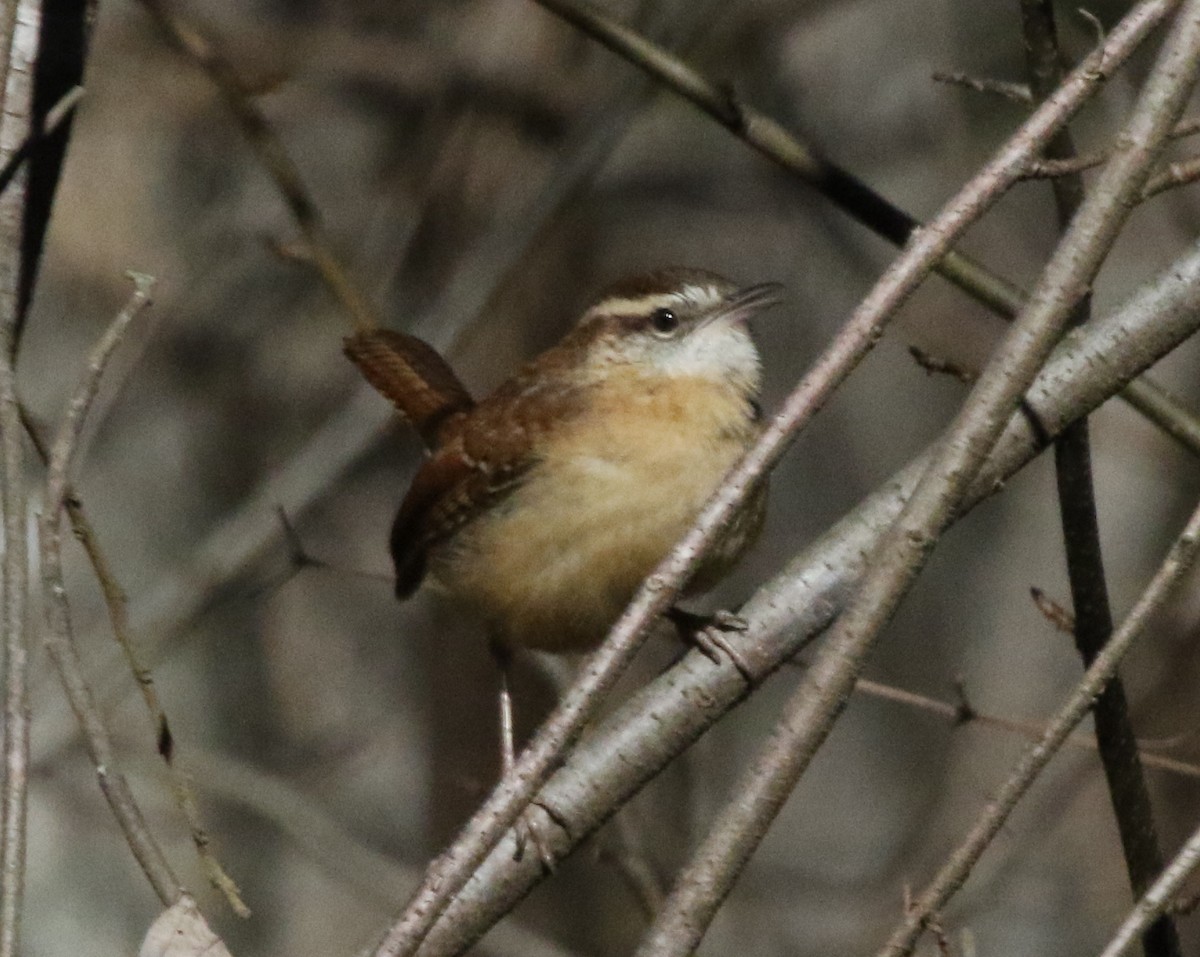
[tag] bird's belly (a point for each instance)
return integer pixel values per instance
(555, 564)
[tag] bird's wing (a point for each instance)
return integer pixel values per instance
(484, 457)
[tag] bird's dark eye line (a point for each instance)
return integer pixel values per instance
(663, 320)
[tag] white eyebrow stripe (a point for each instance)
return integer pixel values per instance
(697, 295)
(636, 306)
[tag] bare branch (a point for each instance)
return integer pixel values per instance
(274, 158)
(15, 591)
(996, 811)
(1016, 92)
(1183, 173)
(841, 187)
(959, 715)
(1067, 166)
(59, 639)
(663, 719)
(1158, 900)
(1093, 622)
(452, 870)
(810, 713)
(16, 661)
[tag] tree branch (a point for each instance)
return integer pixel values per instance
(843, 188)
(810, 713)
(663, 719)
(1158, 899)
(997, 810)
(1081, 536)
(59, 638)
(274, 158)
(450, 872)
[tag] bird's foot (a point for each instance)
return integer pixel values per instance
(530, 829)
(708, 634)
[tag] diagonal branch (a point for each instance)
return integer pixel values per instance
(1157, 900)
(59, 638)
(663, 719)
(843, 188)
(814, 707)
(274, 159)
(1081, 536)
(997, 810)
(448, 874)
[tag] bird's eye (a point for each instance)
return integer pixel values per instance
(664, 321)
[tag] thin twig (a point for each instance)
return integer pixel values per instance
(1183, 173)
(663, 719)
(181, 789)
(1067, 166)
(1016, 92)
(839, 186)
(62, 111)
(1158, 900)
(996, 811)
(450, 872)
(957, 715)
(59, 639)
(1080, 524)
(116, 602)
(274, 158)
(809, 715)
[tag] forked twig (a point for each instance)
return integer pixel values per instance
(841, 187)
(996, 811)
(814, 707)
(274, 158)
(60, 641)
(661, 720)
(451, 871)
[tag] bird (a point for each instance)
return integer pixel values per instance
(544, 505)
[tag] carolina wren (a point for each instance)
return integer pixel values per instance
(544, 505)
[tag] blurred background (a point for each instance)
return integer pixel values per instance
(484, 170)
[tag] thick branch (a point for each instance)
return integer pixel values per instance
(662, 720)
(1081, 535)
(450, 872)
(811, 712)
(843, 188)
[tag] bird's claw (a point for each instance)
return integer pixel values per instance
(708, 634)
(528, 830)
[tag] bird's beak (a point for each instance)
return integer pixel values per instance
(745, 303)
